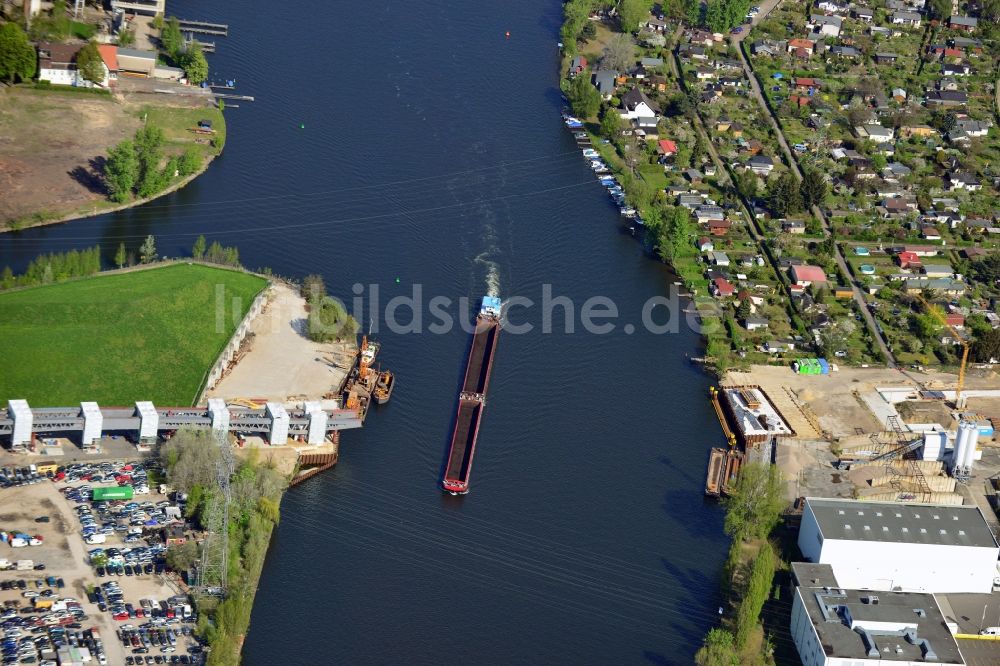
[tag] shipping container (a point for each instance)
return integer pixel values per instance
(111, 493)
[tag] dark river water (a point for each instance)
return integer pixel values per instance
(405, 144)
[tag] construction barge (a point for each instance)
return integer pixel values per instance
(472, 398)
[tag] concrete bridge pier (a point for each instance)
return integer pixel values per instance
(279, 423)
(93, 422)
(219, 414)
(149, 420)
(317, 422)
(23, 419)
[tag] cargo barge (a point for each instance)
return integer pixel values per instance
(472, 398)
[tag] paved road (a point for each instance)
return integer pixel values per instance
(820, 215)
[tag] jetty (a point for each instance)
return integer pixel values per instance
(204, 27)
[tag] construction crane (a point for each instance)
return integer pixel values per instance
(936, 313)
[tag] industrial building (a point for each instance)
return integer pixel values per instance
(837, 626)
(900, 546)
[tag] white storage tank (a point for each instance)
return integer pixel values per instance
(972, 438)
(958, 453)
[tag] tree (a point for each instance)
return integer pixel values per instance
(719, 650)
(121, 171)
(313, 288)
(940, 8)
(814, 188)
(17, 55)
(148, 143)
(692, 12)
(182, 557)
(784, 196)
(575, 16)
(583, 97)
(755, 505)
(148, 249)
(194, 64)
(170, 37)
(120, 255)
(190, 161)
(619, 53)
(611, 124)
(987, 346)
(198, 251)
(632, 12)
(126, 38)
(746, 184)
(329, 321)
(90, 64)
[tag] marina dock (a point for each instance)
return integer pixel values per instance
(204, 27)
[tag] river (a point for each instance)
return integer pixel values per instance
(411, 143)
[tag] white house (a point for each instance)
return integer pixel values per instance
(57, 65)
(826, 25)
(876, 133)
(900, 546)
(639, 109)
(834, 626)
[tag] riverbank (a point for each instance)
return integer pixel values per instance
(51, 170)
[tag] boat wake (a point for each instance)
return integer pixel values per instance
(492, 274)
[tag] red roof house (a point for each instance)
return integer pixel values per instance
(955, 320)
(719, 227)
(722, 288)
(667, 147)
(908, 259)
(805, 275)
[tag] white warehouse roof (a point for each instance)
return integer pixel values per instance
(852, 520)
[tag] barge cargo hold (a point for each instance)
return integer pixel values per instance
(472, 398)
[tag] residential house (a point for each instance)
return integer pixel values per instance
(764, 48)
(964, 23)
(842, 52)
(909, 19)
(908, 260)
(755, 323)
(959, 180)
(930, 232)
(174, 535)
(642, 111)
(762, 165)
(654, 23)
(831, 7)
(974, 128)
(895, 171)
(718, 258)
(805, 275)
(886, 58)
(875, 133)
(938, 270)
(666, 147)
(944, 286)
(921, 250)
(577, 65)
(806, 84)
(793, 226)
(721, 288)
(719, 227)
(57, 65)
(651, 63)
(923, 131)
(898, 95)
(657, 82)
(946, 83)
(827, 26)
(693, 175)
(109, 54)
(801, 47)
(956, 69)
(947, 98)
(689, 200)
(863, 14)
(705, 244)
(605, 80)
(706, 213)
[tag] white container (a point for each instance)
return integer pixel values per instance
(18, 543)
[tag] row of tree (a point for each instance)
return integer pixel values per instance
(787, 196)
(753, 510)
(216, 253)
(55, 267)
(133, 166)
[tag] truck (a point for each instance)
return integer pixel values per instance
(18, 542)
(96, 538)
(25, 565)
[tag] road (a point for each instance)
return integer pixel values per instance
(838, 256)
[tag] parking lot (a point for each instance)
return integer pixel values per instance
(109, 599)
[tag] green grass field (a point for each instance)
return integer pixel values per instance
(115, 339)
